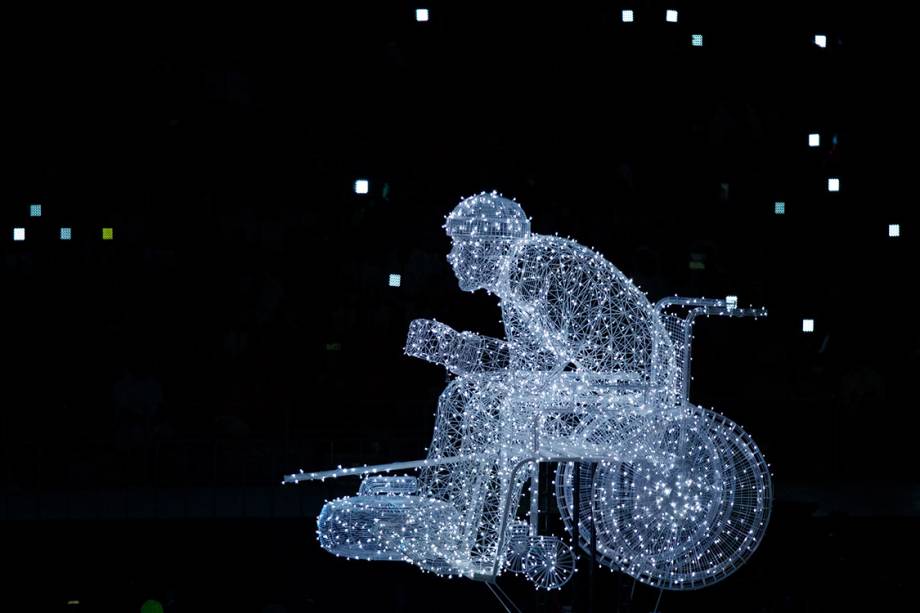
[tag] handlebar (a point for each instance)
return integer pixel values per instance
(680, 329)
(708, 306)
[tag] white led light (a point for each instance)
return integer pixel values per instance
(833, 185)
(421, 14)
(395, 280)
(361, 186)
(628, 16)
(670, 16)
(19, 234)
(821, 40)
(894, 230)
(814, 140)
(808, 325)
(696, 40)
(681, 492)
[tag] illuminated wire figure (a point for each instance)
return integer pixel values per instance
(590, 374)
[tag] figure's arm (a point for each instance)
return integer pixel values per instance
(459, 352)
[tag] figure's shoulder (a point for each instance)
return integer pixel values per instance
(542, 262)
(541, 256)
(539, 249)
(549, 247)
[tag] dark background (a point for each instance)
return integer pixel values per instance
(240, 325)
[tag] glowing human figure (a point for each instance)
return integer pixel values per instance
(563, 305)
(572, 321)
(590, 374)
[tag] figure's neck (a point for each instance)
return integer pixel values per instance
(499, 284)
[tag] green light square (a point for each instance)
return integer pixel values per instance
(108, 234)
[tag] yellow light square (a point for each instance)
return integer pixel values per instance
(108, 234)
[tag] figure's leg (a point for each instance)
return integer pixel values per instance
(447, 441)
(487, 431)
(469, 422)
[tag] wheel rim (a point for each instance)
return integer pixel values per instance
(720, 518)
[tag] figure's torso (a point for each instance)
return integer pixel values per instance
(564, 303)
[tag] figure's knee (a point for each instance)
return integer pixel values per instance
(458, 393)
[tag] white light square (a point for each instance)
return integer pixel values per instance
(894, 230)
(814, 140)
(19, 234)
(361, 186)
(731, 302)
(808, 325)
(833, 185)
(670, 16)
(395, 280)
(628, 16)
(65, 234)
(821, 40)
(421, 14)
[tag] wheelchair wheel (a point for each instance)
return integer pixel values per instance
(549, 563)
(679, 524)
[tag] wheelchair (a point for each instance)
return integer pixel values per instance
(646, 482)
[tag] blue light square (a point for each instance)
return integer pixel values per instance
(35, 210)
(65, 234)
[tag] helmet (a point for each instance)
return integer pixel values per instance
(488, 216)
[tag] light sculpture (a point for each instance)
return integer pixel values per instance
(592, 378)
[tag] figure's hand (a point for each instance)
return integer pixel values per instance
(431, 341)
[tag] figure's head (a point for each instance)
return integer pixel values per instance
(484, 228)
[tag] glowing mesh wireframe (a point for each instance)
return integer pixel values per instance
(590, 372)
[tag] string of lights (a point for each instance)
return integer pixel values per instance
(590, 372)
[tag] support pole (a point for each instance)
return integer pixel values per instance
(593, 544)
(535, 499)
(576, 515)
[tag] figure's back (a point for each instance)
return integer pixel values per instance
(574, 302)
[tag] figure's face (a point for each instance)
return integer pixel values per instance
(476, 262)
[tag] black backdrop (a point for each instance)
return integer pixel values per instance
(241, 325)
